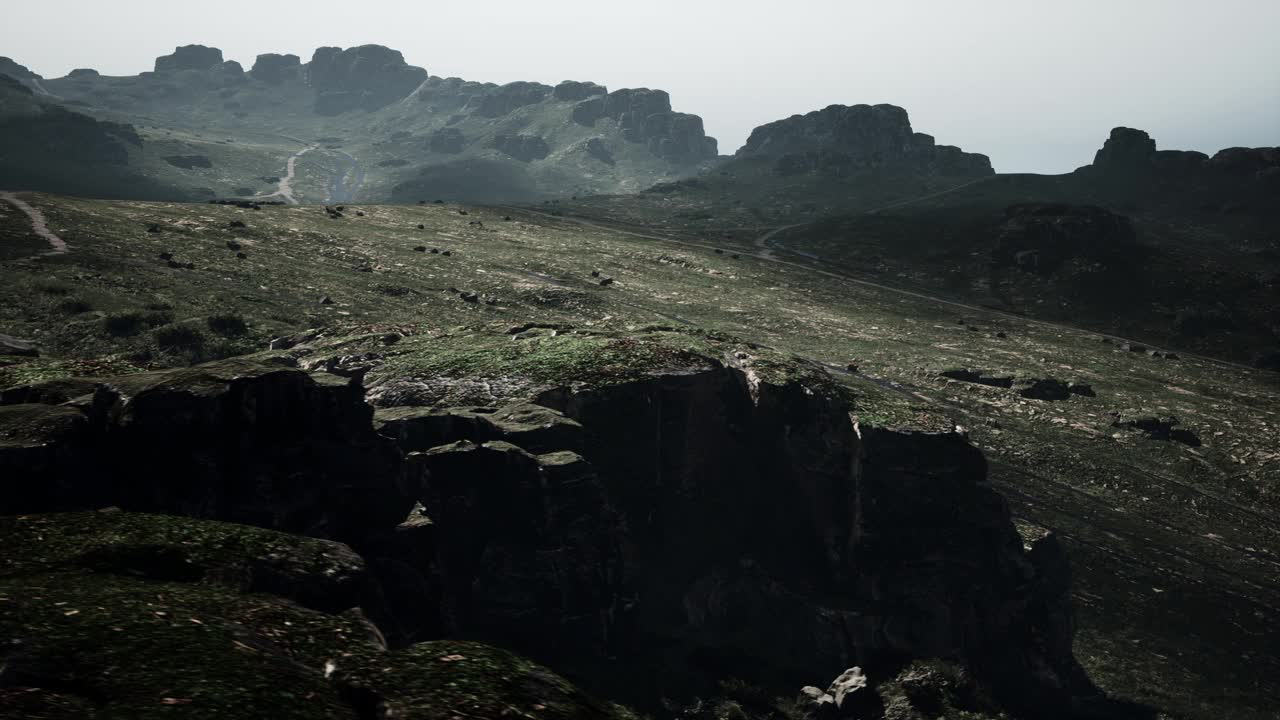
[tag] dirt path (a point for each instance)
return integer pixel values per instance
(285, 187)
(38, 224)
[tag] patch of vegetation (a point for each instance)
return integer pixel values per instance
(179, 338)
(228, 325)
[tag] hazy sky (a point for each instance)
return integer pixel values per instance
(1036, 85)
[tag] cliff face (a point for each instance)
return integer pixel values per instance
(839, 140)
(723, 511)
(1130, 156)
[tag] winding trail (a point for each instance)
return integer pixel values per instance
(285, 187)
(38, 224)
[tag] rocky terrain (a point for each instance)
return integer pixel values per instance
(354, 411)
(1171, 247)
(455, 400)
(377, 127)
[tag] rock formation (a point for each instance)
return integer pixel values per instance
(189, 57)
(645, 116)
(16, 71)
(840, 140)
(525, 148)
(1040, 237)
(274, 68)
(505, 99)
(368, 77)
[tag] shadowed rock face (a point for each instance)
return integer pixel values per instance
(368, 77)
(504, 100)
(524, 148)
(1040, 237)
(1129, 155)
(16, 71)
(840, 139)
(658, 519)
(275, 68)
(646, 117)
(189, 57)
(260, 445)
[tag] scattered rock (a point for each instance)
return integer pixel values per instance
(1159, 428)
(420, 248)
(326, 300)
(233, 245)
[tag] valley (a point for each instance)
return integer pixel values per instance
(334, 388)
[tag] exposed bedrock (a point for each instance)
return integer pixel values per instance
(699, 520)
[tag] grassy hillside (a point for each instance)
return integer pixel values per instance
(1171, 528)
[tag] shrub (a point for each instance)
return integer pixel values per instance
(228, 325)
(178, 338)
(123, 324)
(74, 306)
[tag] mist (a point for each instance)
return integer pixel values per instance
(1034, 85)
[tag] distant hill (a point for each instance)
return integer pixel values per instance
(382, 129)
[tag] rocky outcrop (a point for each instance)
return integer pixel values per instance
(261, 445)
(126, 615)
(598, 149)
(657, 513)
(447, 140)
(525, 148)
(275, 68)
(1129, 155)
(507, 98)
(574, 91)
(17, 71)
(1040, 237)
(52, 133)
(368, 77)
(83, 74)
(840, 140)
(189, 57)
(645, 116)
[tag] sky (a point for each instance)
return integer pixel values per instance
(1035, 85)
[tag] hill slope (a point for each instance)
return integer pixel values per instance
(379, 129)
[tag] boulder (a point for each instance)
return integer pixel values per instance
(189, 57)
(850, 693)
(83, 74)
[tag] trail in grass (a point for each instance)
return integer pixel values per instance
(38, 224)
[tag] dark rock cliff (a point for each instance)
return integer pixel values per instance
(840, 140)
(368, 77)
(709, 519)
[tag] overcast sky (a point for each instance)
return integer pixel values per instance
(1036, 85)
